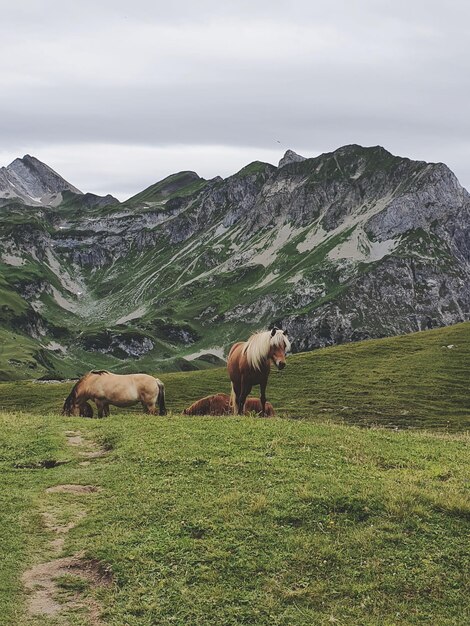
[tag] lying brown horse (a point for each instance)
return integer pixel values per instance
(253, 405)
(219, 404)
(105, 388)
(249, 364)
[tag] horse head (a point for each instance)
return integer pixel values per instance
(279, 345)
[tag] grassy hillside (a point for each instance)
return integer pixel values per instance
(228, 521)
(409, 381)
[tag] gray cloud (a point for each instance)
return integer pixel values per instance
(224, 82)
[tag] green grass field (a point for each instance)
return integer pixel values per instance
(227, 521)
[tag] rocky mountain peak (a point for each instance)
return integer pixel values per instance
(33, 182)
(290, 157)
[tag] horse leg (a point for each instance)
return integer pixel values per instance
(245, 390)
(148, 405)
(101, 406)
(233, 402)
(262, 398)
(106, 409)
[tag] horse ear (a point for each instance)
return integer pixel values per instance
(273, 332)
(285, 332)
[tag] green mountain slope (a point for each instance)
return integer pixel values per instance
(349, 245)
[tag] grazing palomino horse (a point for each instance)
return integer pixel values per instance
(249, 364)
(105, 388)
(219, 404)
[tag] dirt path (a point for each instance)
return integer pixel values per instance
(60, 584)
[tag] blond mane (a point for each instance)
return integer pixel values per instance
(259, 344)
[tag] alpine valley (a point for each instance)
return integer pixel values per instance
(349, 245)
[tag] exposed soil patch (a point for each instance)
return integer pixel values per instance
(63, 584)
(51, 523)
(75, 489)
(94, 454)
(41, 582)
(76, 439)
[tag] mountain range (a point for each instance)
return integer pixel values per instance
(349, 245)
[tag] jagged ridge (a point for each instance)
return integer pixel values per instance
(352, 244)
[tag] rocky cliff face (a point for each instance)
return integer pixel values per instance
(352, 244)
(32, 182)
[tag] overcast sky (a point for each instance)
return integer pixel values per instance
(115, 95)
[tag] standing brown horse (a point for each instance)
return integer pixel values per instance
(249, 364)
(105, 388)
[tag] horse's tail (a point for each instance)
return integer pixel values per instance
(161, 397)
(233, 402)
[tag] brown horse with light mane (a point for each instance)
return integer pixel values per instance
(105, 388)
(249, 364)
(219, 404)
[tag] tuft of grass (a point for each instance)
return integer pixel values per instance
(72, 584)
